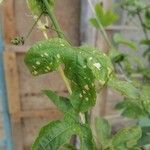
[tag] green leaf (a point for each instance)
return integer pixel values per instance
(126, 138)
(145, 72)
(145, 140)
(98, 62)
(145, 125)
(82, 66)
(38, 7)
(62, 103)
(124, 87)
(145, 42)
(145, 96)
(94, 22)
(106, 18)
(116, 56)
(57, 133)
(103, 131)
(131, 109)
(120, 40)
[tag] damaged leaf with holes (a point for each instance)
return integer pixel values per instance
(82, 66)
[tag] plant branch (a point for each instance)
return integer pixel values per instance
(54, 21)
(61, 35)
(101, 26)
(142, 24)
(31, 29)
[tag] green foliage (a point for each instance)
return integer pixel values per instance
(38, 7)
(145, 125)
(145, 42)
(130, 108)
(106, 18)
(82, 67)
(126, 88)
(145, 72)
(62, 103)
(57, 133)
(136, 108)
(120, 40)
(124, 139)
(103, 131)
(145, 97)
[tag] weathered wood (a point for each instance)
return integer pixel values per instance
(9, 20)
(12, 83)
(51, 114)
(17, 49)
(17, 134)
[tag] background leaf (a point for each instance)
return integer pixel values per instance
(126, 138)
(103, 131)
(120, 40)
(126, 88)
(106, 18)
(131, 108)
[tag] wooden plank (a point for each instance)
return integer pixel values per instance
(17, 49)
(51, 114)
(12, 83)
(17, 135)
(9, 20)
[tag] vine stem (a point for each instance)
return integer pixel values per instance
(142, 24)
(101, 26)
(61, 35)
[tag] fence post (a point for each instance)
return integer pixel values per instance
(7, 142)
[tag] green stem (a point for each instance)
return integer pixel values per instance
(53, 19)
(101, 27)
(30, 31)
(61, 35)
(87, 117)
(143, 26)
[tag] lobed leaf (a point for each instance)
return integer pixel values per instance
(57, 133)
(106, 18)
